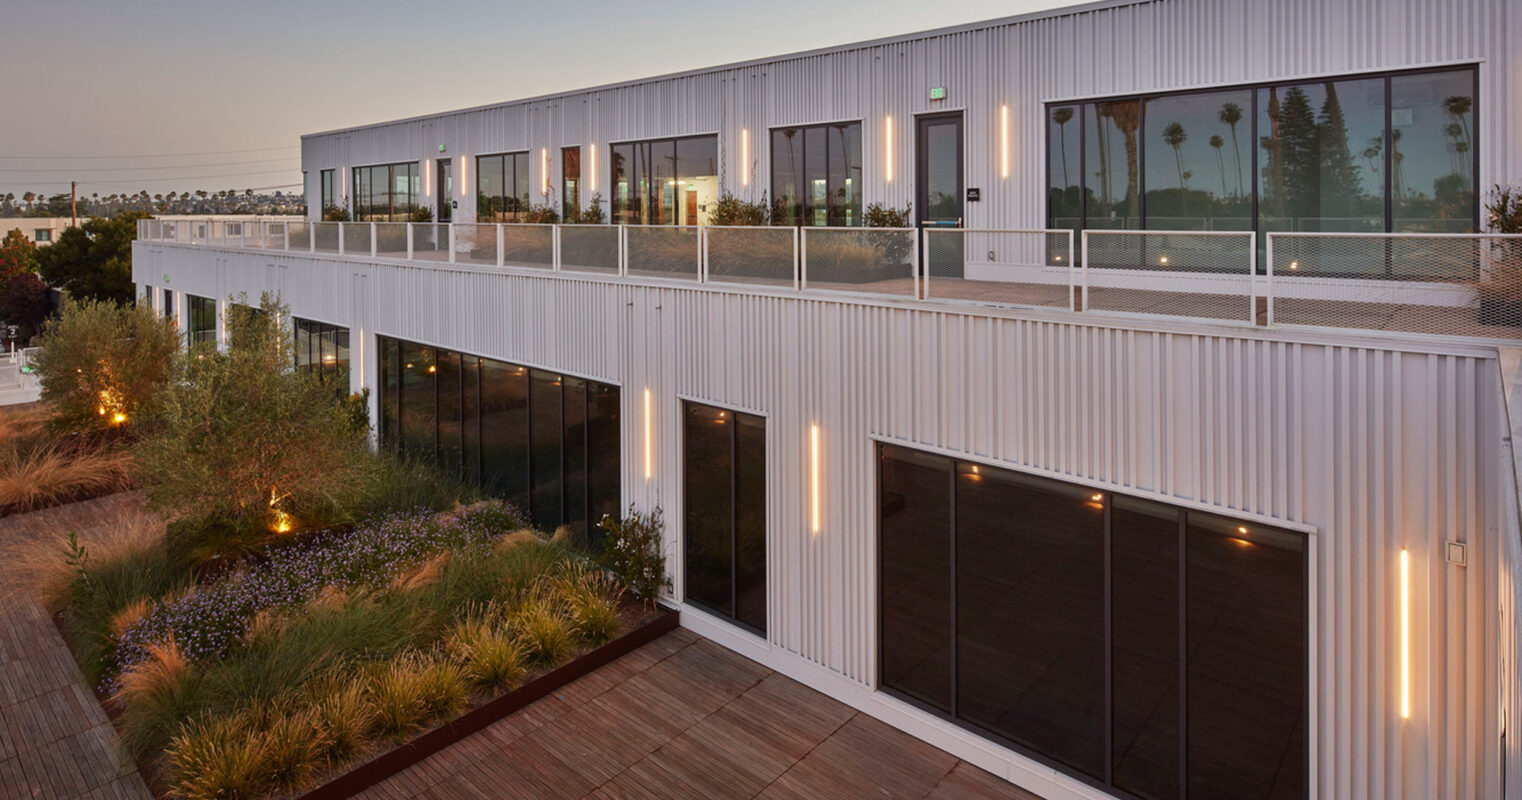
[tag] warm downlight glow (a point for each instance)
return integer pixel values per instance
(649, 445)
(1004, 141)
(745, 156)
(888, 148)
(814, 477)
(1405, 634)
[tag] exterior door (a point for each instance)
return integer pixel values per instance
(445, 210)
(939, 192)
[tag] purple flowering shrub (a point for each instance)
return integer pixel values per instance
(211, 619)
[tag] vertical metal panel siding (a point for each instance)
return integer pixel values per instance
(1376, 448)
(1127, 48)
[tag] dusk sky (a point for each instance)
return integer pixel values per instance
(118, 95)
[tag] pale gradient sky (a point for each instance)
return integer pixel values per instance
(87, 79)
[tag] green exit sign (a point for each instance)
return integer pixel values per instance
(937, 93)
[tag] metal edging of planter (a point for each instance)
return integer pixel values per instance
(409, 753)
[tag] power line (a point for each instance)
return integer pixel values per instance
(157, 155)
(283, 160)
(150, 179)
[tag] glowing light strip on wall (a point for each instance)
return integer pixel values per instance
(428, 177)
(463, 181)
(1004, 141)
(888, 148)
(649, 445)
(1405, 634)
(745, 156)
(544, 170)
(814, 477)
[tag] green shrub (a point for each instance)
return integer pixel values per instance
(881, 216)
(400, 483)
(219, 536)
(632, 552)
(421, 214)
(103, 587)
(731, 210)
(335, 214)
(103, 365)
(217, 758)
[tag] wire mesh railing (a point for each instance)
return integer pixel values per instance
(879, 261)
(1000, 267)
(1467, 285)
(663, 251)
(1426, 283)
(1208, 275)
(755, 255)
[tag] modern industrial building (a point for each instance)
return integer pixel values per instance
(1163, 450)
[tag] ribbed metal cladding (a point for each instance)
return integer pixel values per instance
(1371, 444)
(1022, 63)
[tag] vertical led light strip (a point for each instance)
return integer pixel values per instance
(888, 148)
(544, 170)
(745, 156)
(428, 177)
(649, 460)
(1405, 634)
(463, 181)
(814, 477)
(1004, 141)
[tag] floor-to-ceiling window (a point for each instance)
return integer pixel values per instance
(724, 512)
(502, 187)
(1137, 645)
(666, 181)
(816, 175)
(324, 350)
(203, 320)
(546, 442)
(386, 192)
(570, 181)
(1368, 153)
(326, 190)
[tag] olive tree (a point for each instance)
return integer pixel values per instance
(104, 365)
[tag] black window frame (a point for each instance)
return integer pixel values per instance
(325, 187)
(956, 465)
(642, 210)
(1251, 116)
(733, 614)
(513, 207)
(360, 212)
(197, 313)
(570, 187)
(804, 207)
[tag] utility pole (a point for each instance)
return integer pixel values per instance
(73, 206)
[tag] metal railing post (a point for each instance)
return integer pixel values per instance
(1084, 275)
(312, 236)
(797, 262)
(1252, 277)
(803, 258)
(1269, 255)
(499, 244)
(451, 242)
(555, 248)
(372, 240)
(623, 249)
(409, 240)
(340, 237)
(1072, 295)
(286, 227)
(919, 276)
(702, 255)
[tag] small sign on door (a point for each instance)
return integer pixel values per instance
(974, 195)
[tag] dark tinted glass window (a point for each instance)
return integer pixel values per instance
(570, 180)
(787, 176)
(1432, 127)
(504, 430)
(418, 432)
(1064, 173)
(1113, 164)
(817, 175)
(914, 577)
(1030, 613)
(708, 472)
(545, 455)
(1144, 645)
(389, 381)
(470, 419)
(1193, 183)
(750, 520)
(602, 454)
(489, 191)
(1246, 671)
(575, 440)
(451, 447)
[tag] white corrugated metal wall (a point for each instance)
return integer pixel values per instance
(1111, 49)
(1370, 445)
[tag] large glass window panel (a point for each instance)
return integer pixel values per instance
(504, 431)
(1030, 613)
(1144, 646)
(662, 171)
(1112, 181)
(845, 174)
(1432, 128)
(489, 189)
(787, 176)
(570, 180)
(575, 425)
(602, 454)
(697, 179)
(914, 575)
(708, 502)
(419, 430)
(470, 419)
(625, 176)
(1246, 669)
(303, 345)
(390, 384)
(1321, 146)
(326, 179)
(545, 457)
(1195, 177)
(451, 450)
(816, 176)
(341, 364)
(750, 521)
(519, 202)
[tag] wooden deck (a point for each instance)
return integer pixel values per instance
(55, 740)
(684, 717)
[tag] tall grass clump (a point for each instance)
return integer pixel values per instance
(52, 473)
(590, 600)
(217, 758)
(542, 631)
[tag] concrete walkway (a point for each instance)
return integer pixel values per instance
(55, 740)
